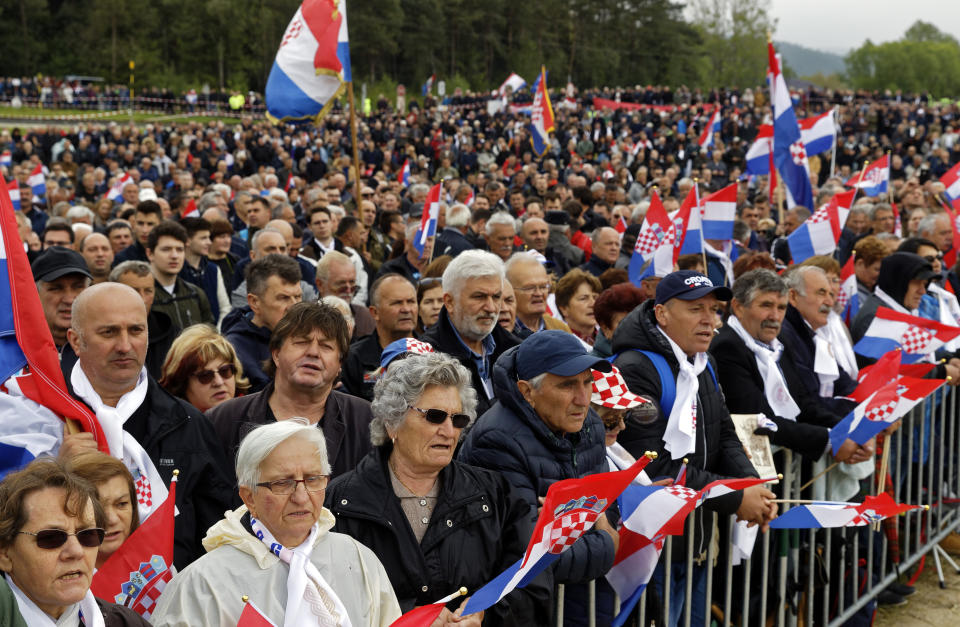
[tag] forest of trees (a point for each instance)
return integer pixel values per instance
(231, 43)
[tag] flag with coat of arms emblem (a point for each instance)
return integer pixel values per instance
(917, 336)
(541, 117)
(138, 572)
(827, 514)
(570, 509)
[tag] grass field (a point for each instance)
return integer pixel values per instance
(9, 116)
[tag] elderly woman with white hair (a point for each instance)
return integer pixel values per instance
(436, 524)
(278, 549)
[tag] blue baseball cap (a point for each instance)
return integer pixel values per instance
(689, 285)
(556, 352)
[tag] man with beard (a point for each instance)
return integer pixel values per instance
(467, 328)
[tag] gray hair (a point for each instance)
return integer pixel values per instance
(537, 381)
(750, 284)
(79, 211)
(519, 258)
(328, 259)
(259, 443)
(928, 225)
(138, 268)
(640, 211)
(340, 305)
(210, 200)
(419, 188)
(470, 264)
(256, 236)
(879, 207)
(404, 384)
(498, 218)
(797, 278)
(336, 209)
(458, 216)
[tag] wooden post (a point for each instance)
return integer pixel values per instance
(356, 150)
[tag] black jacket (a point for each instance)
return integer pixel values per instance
(162, 331)
(361, 368)
(400, 266)
(133, 252)
(742, 385)
(596, 266)
(718, 453)
(443, 338)
(177, 436)
(186, 306)
(252, 344)
(345, 424)
(478, 528)
(511, 439)
(452, 242)
(799, 349)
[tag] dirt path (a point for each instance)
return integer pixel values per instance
(930, 605)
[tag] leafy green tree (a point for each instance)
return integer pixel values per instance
(734, 39)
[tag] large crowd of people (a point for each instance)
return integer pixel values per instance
(249, 306)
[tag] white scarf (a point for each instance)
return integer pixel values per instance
(307, 604)
(618, 458)
(35, 617)
(842, 344)
(151, 491)
(949, 312)
(680, 437)
(774, 385)
(891, 302)
(723, 256)
(824, 362)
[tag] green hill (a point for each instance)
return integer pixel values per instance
(808, 62)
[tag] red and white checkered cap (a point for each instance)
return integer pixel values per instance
(610, 390)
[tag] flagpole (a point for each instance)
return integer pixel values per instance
(817, 476)
(356, 152)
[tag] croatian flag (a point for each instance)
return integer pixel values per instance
(6, 159)
(621, 226)
(713, 126)
(190, 210)
(430, 218)
(541, 118)
(116, 190)
(719, 212)
(123, 579)
(848, 299)
(818, 132)
(688, 223)
(827, 514)
(405, 173)
(428, 85)
(876, 375)
(312, 64)
(819, 234)
(32, 387)
(289, 184)
(951, 181)
(874, 180)
(251, 616)
(758, 155)
(536, 81)
(916, 336)
(882, 409)
(570, 509)
(13, 188)
(789, 153)
(38, 183)
(514, 82)
(632, 569)
(656, 224)
(469, 200)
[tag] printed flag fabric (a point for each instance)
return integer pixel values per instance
(848, 299)
(29, 362)
(818, 132)
(819, 233)
(137, 573)
(656, 224)
(253, 617)
(882, 409)
(826, 514)
(37, 181)
(874, 180)
(719, 212)
(428, 85)
(713, 126)
(312, 64)
(514, 82)
(190, 210)
(13, 189)
(405, 173)
(951, 181)
(570, 509)
(789, 152)
(430, 218)
(876, 375)
(758, 155)
(116, 190)
(689, 226)
(917, 336)
(541, 117)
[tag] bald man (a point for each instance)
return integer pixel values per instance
(150, 430)
(308, 267)
(98, 254)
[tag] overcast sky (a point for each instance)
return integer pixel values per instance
(841, 25)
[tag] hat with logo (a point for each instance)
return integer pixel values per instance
(556, 352)
(689, 285)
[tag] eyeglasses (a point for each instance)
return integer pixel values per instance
(932, 258)
(438, 417)
(226, 371)
(283, 487)
(56, 538)
(530, 289)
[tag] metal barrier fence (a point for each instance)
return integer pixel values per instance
(823, 577)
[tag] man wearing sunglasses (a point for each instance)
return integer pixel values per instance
(153, 432)
(52, 529)
(541, 430)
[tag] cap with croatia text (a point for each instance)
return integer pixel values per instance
(689, 285)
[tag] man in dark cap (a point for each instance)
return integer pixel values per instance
(541, 430)
(60, 274)
(661, 346)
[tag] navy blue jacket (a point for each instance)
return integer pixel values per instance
(252, 344)
(205, 277)
(452, 242)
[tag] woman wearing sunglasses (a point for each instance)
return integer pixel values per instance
(203, 368)
(277, 549)
(117, 495)
(51, 529)
(436, 524)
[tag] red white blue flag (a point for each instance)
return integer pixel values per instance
(951, 181)
(875, 179)
(917, 336)
(541, 117)
(116, 190)
(827, 514)
(712, 127)
(429, 219)
(819, 234)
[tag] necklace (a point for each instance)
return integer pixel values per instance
(393, 468)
